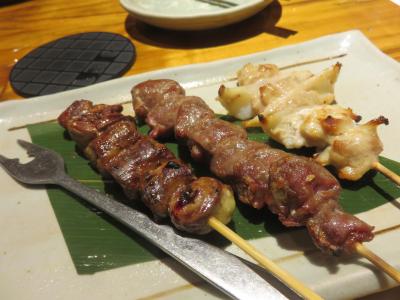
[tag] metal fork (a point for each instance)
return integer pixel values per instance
(223, 270)
(220, 3)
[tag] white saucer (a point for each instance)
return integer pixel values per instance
(191, 14)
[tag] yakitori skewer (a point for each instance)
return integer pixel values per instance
(147, 170)
(299, 110)
(377, 166)
(297, 189)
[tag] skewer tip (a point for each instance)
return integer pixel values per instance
(387, 172)
(377, 261)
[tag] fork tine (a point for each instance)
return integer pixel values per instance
(24, 144)
(31, 149)
(47, 167)
(8, 163)
(3, 160)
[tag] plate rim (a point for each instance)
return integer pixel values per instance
(227, 11)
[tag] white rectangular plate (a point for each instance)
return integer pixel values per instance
(34, 260)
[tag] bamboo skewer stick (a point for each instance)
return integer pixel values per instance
(33, 123)
(285, 277)
(268, 264)
(377, 261)
(308, 62)
(387, 172)
(50, 120)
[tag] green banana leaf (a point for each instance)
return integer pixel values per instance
(96, 242)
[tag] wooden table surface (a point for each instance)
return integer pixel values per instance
(26, 25)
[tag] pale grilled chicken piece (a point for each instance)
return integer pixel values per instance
(309, 126)
(251, 73)
(354, 152)
(243, 101)
(272, 91)
(299, 110)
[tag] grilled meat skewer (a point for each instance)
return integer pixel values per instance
(297, 189)
(299, 110)
(146, 169)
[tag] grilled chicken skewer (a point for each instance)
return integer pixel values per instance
(299, 110)
(297, 189)
(148, 170)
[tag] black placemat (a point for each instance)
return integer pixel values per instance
(72, 62)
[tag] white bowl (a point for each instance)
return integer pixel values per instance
(191, 14)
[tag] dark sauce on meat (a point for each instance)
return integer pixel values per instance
(173, 165)
(186, 198)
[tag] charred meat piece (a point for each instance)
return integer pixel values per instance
(84, 121)
(334, 229)
(146, 169)
(297, 189)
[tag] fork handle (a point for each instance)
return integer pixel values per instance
(223, 270)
